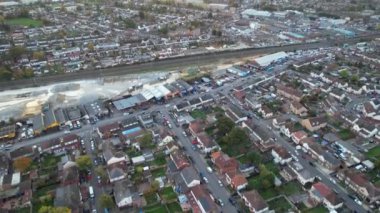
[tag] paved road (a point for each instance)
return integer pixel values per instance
(200, 164)
(173, 63)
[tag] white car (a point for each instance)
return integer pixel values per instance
(205, 179)
(358, 201)
(184, 133)
(220, 183)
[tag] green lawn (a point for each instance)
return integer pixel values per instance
(289, 188)
(346, 134)
(44, 190)
(157, 208)
(168, 193)
(318, 209)
(49, 161)
(174, 207)
(279, 205)
(197, 113)
(28, 22)
(150, 198)
(158, 172)
(373, 153)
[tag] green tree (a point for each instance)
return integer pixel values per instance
(236, 136)
(27, 73)
(344, 74)
(130, 24)
(100, 171)
(224, 125)
(106, 201)
(5, 75)
(2, 19)
(84, 162)
(254, 157)
(16, 52)
(146, 140)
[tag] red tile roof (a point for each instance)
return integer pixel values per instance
(179, 159)
(322, 189)
(238, 180)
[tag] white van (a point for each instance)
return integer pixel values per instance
(91, 191)
(209, 169)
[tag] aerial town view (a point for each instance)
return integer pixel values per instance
(198, 106)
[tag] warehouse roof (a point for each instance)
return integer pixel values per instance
(268, 59)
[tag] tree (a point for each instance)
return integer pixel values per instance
(106, 201)
(91, 46)
(21, 164)
(344, 74)
(236, 136)
(141, 14)
(27, 73)
(154, 186)
(5, 74)
(16, 52)
(100, 171)
(2, 20)
(51, 209)
(39, 55)
(254, 157)
(146, 140)
(130, 24)
(84, 162)
(266, 177)
(224, 125)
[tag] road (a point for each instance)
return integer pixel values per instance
(200, 164)
(173, 63)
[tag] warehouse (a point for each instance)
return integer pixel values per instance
(269, 59)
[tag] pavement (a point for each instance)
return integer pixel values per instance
(175, 63)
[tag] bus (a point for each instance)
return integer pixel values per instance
(91, 191)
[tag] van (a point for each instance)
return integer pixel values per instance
(91, 192)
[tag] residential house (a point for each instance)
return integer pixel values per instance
(314, 148)
(253, 101)
(298, 109)
(224, 163)
(294, 170)
(236, 180)
(371, 109)
(111, 156)
(281, 155)
(359, 184)
(7, 132)
(354, 89)
(265, 111)
(330, 162)
(349, 118)
(179, 159)
(337, 93)
(206, 143)
(365, 129)
(254, 201)
(200, 200)
(289, 92)
(235, 114)
(125, 193)
(117, 171)
(315, 123)
(190, 176)
(288, 129)
(298, 136)
(108, 131)
(261, 138)
(69, 196)
(323, 194)
(279, 121)
(196, 127)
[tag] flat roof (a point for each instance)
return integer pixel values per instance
(268, 59)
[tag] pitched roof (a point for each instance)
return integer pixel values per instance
(255, 199)
(68, 196)
(239, 180)
(316, 121)
(197, 126)
(206, 140)
(179, 158)
(189, 174)
(282, 152)
(322, 189)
